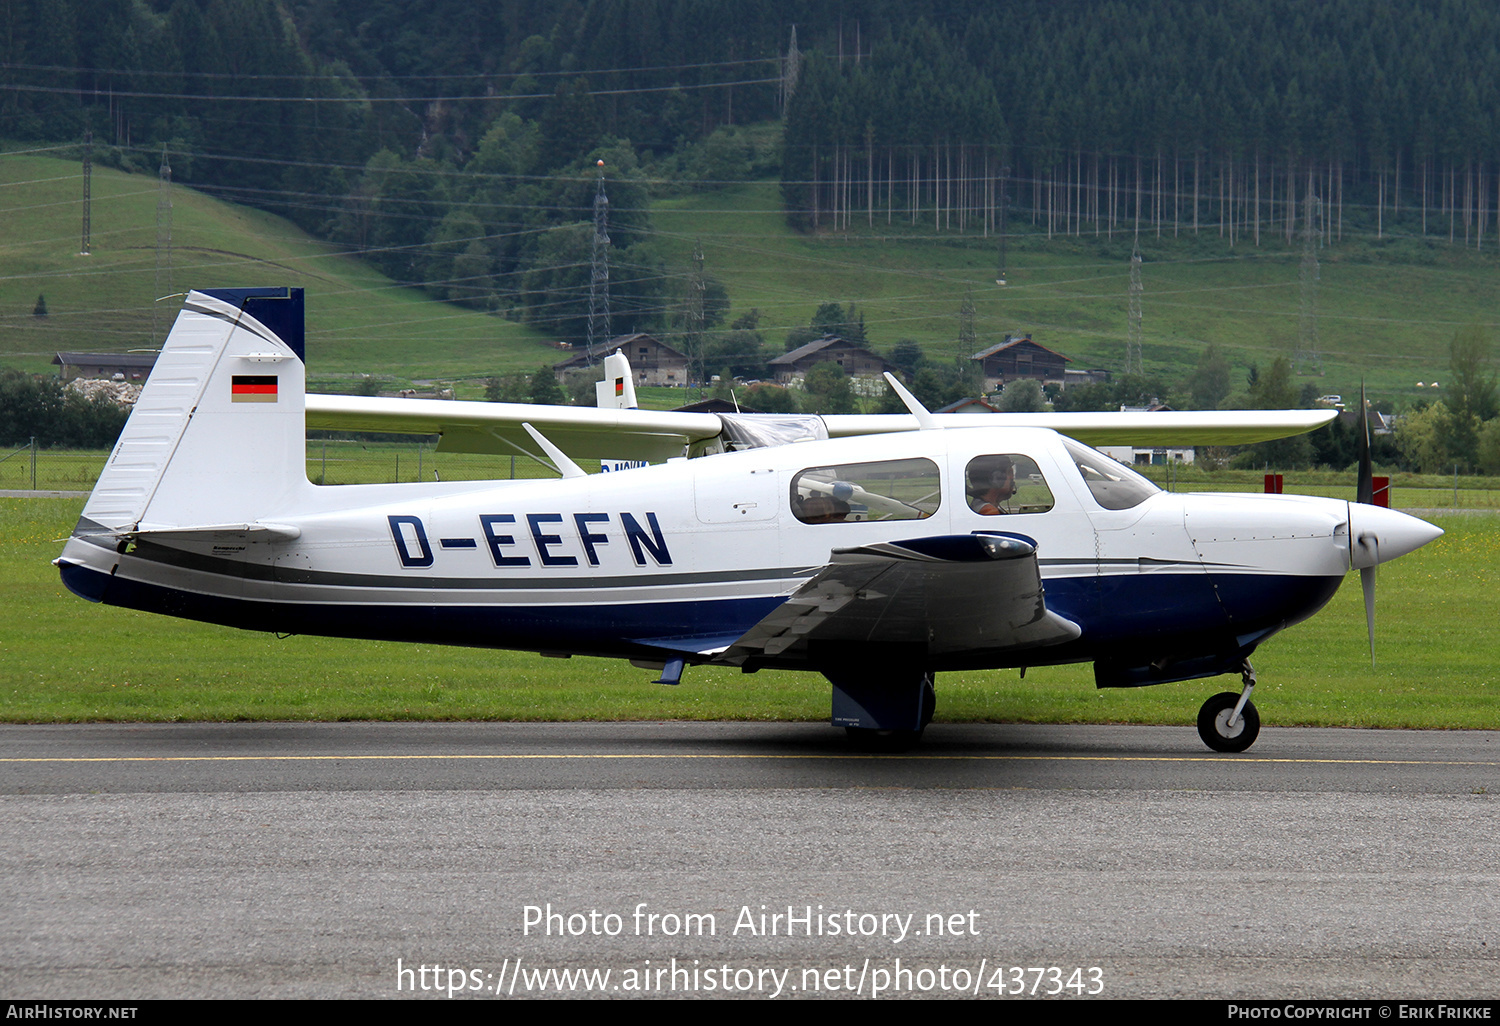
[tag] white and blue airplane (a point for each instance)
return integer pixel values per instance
(876, 550)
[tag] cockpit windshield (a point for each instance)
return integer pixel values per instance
(1114, 485)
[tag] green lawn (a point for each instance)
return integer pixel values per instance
(63, 659)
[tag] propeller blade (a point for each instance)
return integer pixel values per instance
(1366, 490)
(1367, 582)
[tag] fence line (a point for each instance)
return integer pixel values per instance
(29, 447)
(336, 462)
(340, 462)
(332, 462)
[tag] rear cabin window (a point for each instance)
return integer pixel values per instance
(858, 492)
(1006, 483)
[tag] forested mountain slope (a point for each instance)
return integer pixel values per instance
(455, 147)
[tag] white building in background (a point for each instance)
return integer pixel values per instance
(1136, 456)
(1133, 456)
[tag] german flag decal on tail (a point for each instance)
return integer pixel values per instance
(253, 388)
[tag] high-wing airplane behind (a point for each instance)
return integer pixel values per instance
(878, 551)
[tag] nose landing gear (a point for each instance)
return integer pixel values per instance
(1228, 722)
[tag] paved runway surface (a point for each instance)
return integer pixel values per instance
(315, 860)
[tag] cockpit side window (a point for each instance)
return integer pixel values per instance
(1114, 485)
(857, 492)
(1006, 483)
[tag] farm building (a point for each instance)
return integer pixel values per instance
(1019, 357)
(134, 367)
(857, 361)
(652, 361)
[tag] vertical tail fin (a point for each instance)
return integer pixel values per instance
(218, 434)
(617, 390)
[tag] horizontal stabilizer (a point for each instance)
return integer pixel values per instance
(218, 532)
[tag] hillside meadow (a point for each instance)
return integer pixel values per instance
(358, 321)
(1387, 308)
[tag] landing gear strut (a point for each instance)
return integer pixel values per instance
(882, 708)
(1228, 722)
(878, 739)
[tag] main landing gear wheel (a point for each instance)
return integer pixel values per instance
(1214, 728)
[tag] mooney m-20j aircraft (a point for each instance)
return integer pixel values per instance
(876, 550)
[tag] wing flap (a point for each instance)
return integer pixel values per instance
(691, 644)
(948, 594)
(507, 438)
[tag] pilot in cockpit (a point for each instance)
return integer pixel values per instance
(991, 484)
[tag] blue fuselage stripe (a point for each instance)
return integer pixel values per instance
(1117, 613)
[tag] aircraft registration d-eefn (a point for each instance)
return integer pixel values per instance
(876, 550)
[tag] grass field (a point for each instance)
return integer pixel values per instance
(331, 462)
(1387, 308)
(347, 462)
(358, 321)
(63, 660)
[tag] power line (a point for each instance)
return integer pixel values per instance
(599, 329)
(163, 238)
(475, 75)
(88, 190)
(135, 94)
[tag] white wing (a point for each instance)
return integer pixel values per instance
(585, 432)
(1181, 427)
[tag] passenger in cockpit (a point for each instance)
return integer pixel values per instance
(822, 509)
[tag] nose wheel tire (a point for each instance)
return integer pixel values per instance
(1214, 728)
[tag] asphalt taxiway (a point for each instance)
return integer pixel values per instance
(327, 860)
